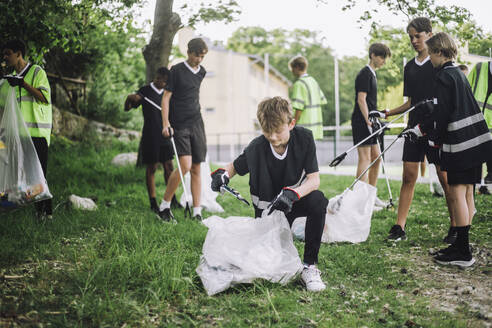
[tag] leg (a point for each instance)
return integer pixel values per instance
(470, 201)
(364, 154)
(43, 207)
(423, 166)
(196, 184)
(410, 173)
(459, 204)
(443, 179)
(313, 206)
(175, 179)
(168, 169)
(374, 170)
(150, 179)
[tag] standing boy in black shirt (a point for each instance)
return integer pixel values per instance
(181, 117)
(155, 148)
(283, 175)
(366, 97)
(459, 126)
(418, 80)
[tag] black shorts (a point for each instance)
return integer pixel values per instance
(433, 155)
(192, 141)
(416, 152)
(469, 176)
(154, 152)
(360, 131)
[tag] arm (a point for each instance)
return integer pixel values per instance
(230, 170)
(400, 109)
(165, 113)
(297, 115)
(311, 184)
(361, 101)
(133, 101)
(36, 93)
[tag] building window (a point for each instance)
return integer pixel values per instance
(210, 109)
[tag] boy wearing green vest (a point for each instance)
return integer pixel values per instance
(33, 93)
(306, 98)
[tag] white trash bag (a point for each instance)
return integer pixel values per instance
(351, 222)
(21, 177)
(208, 195)
(241, 249)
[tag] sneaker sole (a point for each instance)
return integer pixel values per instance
(461, 264)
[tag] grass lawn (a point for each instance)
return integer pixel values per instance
(121, 267)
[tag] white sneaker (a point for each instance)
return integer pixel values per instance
(379, 203)
(311, 277)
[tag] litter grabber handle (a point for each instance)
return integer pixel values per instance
(342, 156)
(386, 177)
(372, 163)
(187, 208)
(236, 194)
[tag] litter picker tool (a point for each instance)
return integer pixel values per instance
(338, 203)
(187, 211)
(226, 188)
(390, 205)
(342, 156)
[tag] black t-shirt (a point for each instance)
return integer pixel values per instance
(418, 84)
(365, 82)
(301, 152)
(151, 109)
(184, 106)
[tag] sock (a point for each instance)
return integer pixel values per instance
(197, 210)
(164, 205)
(153, 202)
(462, 241)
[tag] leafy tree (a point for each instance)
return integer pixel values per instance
(167, 23)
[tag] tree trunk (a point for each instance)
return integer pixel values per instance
(166, 25)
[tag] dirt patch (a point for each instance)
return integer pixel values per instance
(452, 289)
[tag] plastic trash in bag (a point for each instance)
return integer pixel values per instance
(241, 249)
(21, 177)
(208, 195)
(351, 222)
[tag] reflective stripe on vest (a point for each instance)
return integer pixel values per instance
(477, 141)
(39, 125)
(26, 98)
(306, 125)
(467, 121)
(482, 105)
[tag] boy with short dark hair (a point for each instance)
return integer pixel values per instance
(284, 175)
(418, 79)
(181, 118)
(459, 126)
(366, 93)
(34, 95)
(155, 148)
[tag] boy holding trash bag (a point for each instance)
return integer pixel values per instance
(33, 93)
(283, 175)
(459, 126)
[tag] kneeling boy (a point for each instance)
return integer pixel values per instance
(283, 175)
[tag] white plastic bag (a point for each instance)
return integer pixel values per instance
(208, 195)
(82, 203)
(241, 249)
(351, 222)
(21, 176)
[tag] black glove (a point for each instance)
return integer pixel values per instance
(220, 177)
(284, 201)
(412, 133)
(14, 80)
(378, 113)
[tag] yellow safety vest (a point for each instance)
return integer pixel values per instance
(306, 95)
(479, 82)
(38, 116)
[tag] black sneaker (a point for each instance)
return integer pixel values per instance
(396, 233)
(483, 190)
(198, 217)
(488, 178)
(454, 256)
(451, 237)
(166, 215)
